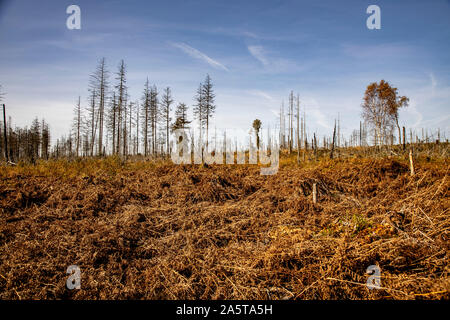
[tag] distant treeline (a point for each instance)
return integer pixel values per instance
(114, 123)
(26, 143)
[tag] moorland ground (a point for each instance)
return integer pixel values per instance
(155, 230)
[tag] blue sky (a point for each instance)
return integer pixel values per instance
(255, 52)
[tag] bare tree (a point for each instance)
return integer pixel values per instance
(99, 83)
(35, 139)
(208, 103)
(130, 125)
(137, 119)
(154, 117)
(334, 141)
(165, 113)
(77, 124)
(121, 97)
(4, 140)
(112, 119)
(291, 121)
(146, 116)
(45, 140)
(282, 125)
(125, 132)
(199, 110)
(298, 128)
(92, 120)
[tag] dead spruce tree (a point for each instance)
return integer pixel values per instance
(145, 114)
(154, 117)
(121, 100)
(77, 125)
(208, 104)
(199, 112)
(91, 120)
(166, 103)
(99, 83)
(111, 123)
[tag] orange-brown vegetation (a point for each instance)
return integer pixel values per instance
(154, 230)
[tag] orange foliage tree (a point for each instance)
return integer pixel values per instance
(381, 104)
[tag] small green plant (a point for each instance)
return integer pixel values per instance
(360, 223)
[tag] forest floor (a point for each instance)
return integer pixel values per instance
(155, 230)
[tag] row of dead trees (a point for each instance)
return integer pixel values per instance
(115, 124)
(33, 142)
(293, 134)
(111, 123)
(27, 143)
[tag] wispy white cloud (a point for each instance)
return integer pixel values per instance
(258, 53)
(261, 94)
(273, 64)
(439, 122)
(430, 93)
(228, 32)
(194, 53)
(415, 113)
(249, 34)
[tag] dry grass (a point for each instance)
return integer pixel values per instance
(159, 231)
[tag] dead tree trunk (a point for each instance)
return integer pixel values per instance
(360, 134)
(314, 193)
(315, 146)
(298, 128)
(334, 138)
(404, 138)
(4, 133)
